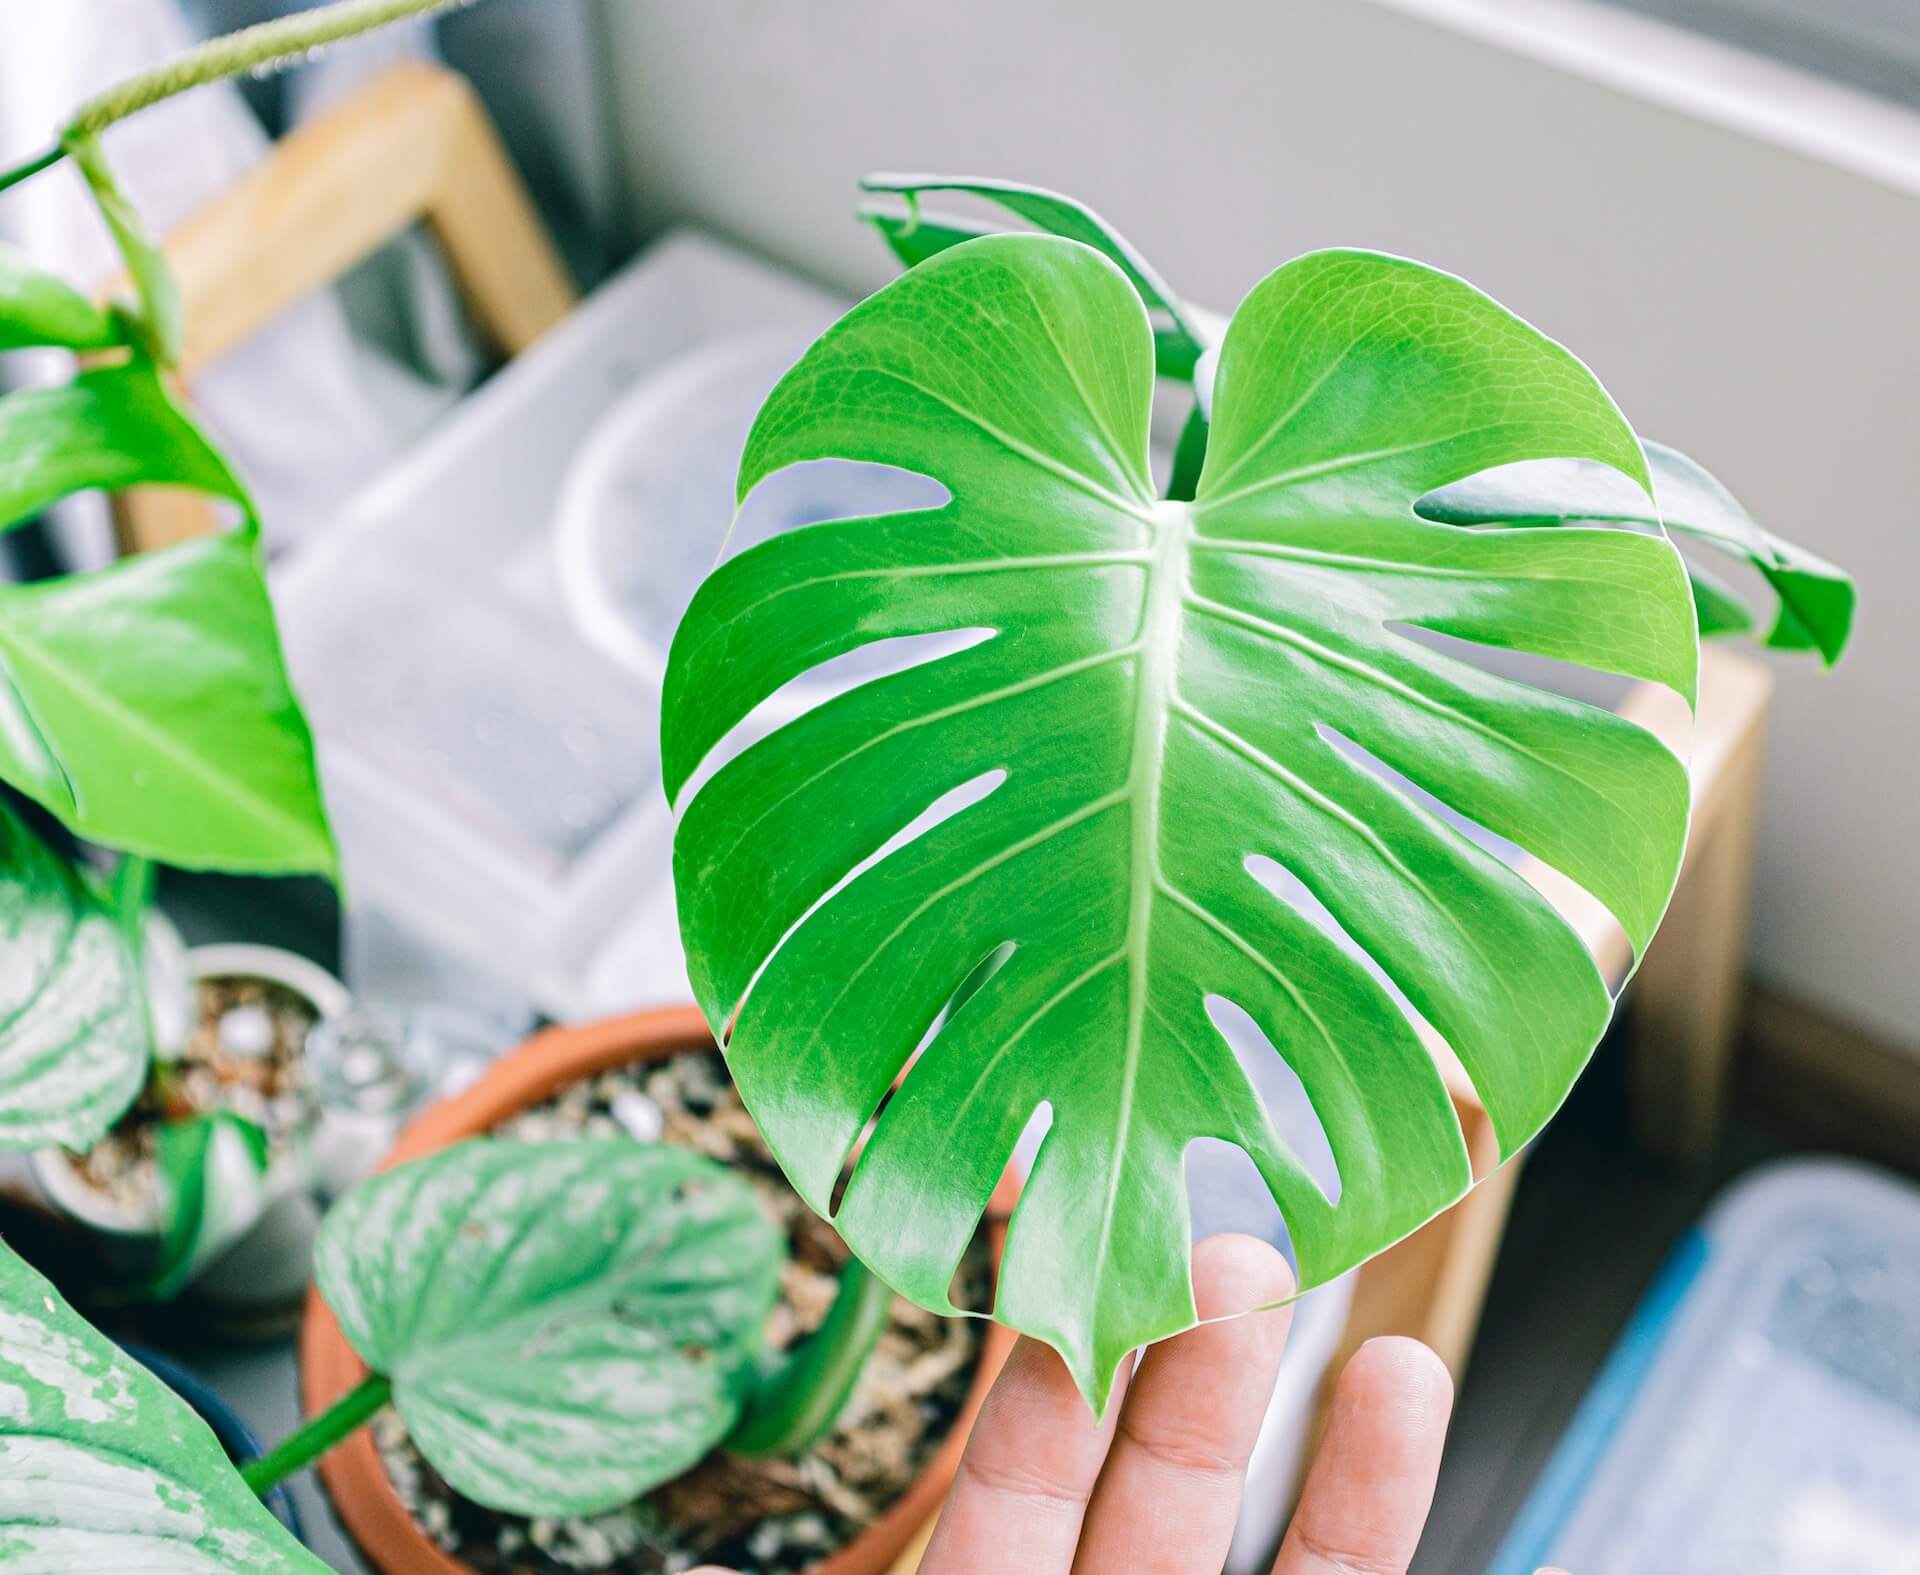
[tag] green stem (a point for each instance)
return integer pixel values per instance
(266, 46)
(799, 1400)
(317, 1435)
(32, 166)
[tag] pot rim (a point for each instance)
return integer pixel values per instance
(79, 1202)
(362, 1494)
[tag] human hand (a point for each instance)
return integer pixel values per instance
(1155, 1489)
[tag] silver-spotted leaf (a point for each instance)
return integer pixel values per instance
(1173, 699)
(102, 1467)
(73, 1024)
(565, 1325)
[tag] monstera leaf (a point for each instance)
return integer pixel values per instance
(565, 1325)
(1178, 337)
(73, 1022)
(104, 1468)
(1172, 699)
(1815, 600)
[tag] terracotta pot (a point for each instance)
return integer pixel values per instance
(364, 1497)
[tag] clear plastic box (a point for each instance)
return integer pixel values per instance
(492, 772)
(1761, 1413)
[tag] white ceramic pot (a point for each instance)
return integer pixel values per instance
(265, 1268)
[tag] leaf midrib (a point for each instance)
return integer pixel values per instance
(1162, 617)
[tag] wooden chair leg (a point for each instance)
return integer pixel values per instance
(1688, 994)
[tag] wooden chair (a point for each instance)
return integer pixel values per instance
(412, 146)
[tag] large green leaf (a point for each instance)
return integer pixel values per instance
(565, 1325)
(1171, 690)
(1815, 610)
(104, 1468)
(37, 309)
(148, 706)
(916, 235)
(73, 1023)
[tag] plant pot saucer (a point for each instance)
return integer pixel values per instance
(357, 1480)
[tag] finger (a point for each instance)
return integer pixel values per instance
(1367, 1496)
(1169, 1493)
(1022, 1487)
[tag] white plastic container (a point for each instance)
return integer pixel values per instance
(648, 505)
(491, 771)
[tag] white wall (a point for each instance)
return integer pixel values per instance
(1757, 306)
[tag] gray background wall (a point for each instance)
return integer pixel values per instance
(1754, 304)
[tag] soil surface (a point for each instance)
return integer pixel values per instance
(761, 1517)
(246, 1054)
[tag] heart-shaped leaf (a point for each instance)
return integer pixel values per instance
(1175, 698)
(73, 1023)
(102, 1467)
(148, 706)
(565, 1325)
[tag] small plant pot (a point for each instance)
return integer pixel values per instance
(256, 1282)
(363, 1492)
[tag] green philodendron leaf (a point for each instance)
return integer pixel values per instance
(102, 1467)
(148, 706)
(37, 309)
(1815, 599)
(1170, 693)
(916, 236)
(111, 427)
(565, 1325)
(73, 1023)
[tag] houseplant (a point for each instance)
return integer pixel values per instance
(877, 1468)
(1173, 692)
(147, 706)
(1178, 685)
